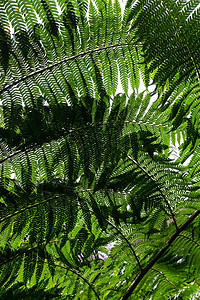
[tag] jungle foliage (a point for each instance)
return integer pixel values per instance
(94, 201)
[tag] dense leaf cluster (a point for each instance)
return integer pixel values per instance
(93, 202)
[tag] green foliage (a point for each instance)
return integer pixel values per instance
(93, 203)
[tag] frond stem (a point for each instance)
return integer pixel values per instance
(190, 239)
(26, 208)
(79, 275)
(129, 244)
(163, 275)
(11, 155)
(61, 62)
(66, 268)
(27, 150)
(37, 204)
(159, 189)
(158, 255)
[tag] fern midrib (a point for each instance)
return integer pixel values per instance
(190, 239)
(79, 275)
(41, 203)
(27, 208)
(27, 150)
(128, 243)
(159, 189)
(163, 275)
(63, 61)
(60, 266)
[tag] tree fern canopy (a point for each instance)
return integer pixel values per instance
(94, 201)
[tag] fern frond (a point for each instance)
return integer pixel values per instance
(92, 205)
(168, 31)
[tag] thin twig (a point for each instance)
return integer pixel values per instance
(60, 266)
(158, 255)
(159, 189)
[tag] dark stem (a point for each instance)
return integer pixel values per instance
(10, 156)
(60, 266)
(158, 255)
(163, 275)
(190, 239)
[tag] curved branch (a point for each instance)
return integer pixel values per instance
(158, 255)
(190, 239)
(159, 189)
(10, 156)
(60, 63)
